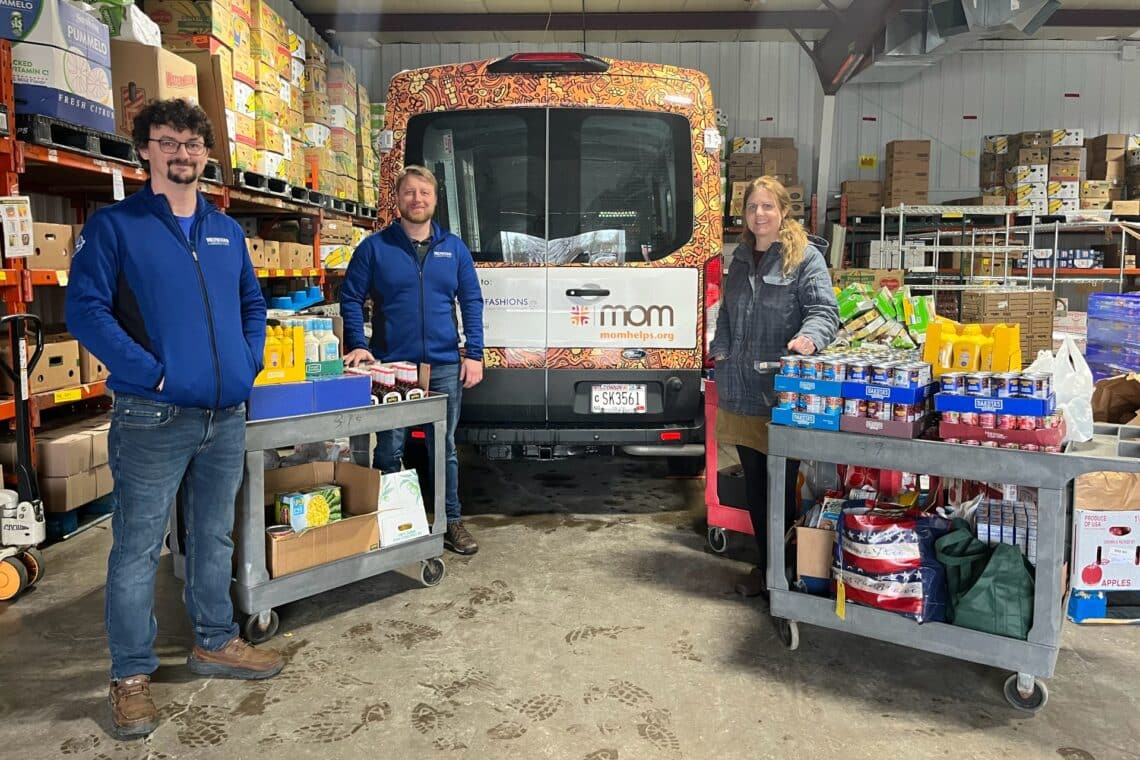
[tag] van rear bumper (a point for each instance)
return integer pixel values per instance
(642, 441)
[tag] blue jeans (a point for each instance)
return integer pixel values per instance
(160, 452)
(390, 443)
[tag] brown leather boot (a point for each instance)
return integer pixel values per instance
(237, 659)
(133, 713)
(459, 539)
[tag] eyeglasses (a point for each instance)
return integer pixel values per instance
(170, 147)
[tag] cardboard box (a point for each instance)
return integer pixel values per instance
(815, 552)
(72, 449)
(1028, 157)
(296, 256)
(1031, 140)
(141, 73)
(53, 247)
(64, 494)
(995, 144)
(357, 533)
(1095, 204)
(271, 254)
(91, 370)
(1064, 189)
(58, 366)
(1126, 208)
(1026, 173)
(1068, 137)
(334, 231)
(1117, 141)
(256, 248)
(876, 278)
(1066, 154)
(1064, 170)
(919, 149)
(1106, 550)
(1064, 205)
(1106, 170)
(1096, 189)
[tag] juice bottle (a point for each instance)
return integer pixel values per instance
(330, 344)
(287, 337)
(272, 349)
(312, 342)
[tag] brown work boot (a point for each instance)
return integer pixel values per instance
(754, 584)
(237, 659)
(133, 713)
(459, 539)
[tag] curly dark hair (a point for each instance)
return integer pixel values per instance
(176, 113)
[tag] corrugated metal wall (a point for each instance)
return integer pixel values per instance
(1007, 86)
(770, 88)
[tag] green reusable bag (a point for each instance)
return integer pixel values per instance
(1001, 600)
(964, 558)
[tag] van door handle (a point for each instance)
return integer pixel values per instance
(580, 292)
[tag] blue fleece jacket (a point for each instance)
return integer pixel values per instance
(154, 305)
(413, 306)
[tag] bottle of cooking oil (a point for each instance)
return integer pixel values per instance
(287, 337)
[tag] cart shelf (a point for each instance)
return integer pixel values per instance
(1052, 474)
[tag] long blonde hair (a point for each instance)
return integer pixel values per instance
(792, 235)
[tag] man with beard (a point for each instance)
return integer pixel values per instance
(163, 292)
(414, 271)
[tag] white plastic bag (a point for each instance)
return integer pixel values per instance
(1073, 384)
(1043, 363)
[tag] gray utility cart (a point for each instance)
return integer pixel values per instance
(255, 593)
(1113, 448)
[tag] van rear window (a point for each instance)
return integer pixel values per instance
(559, 186)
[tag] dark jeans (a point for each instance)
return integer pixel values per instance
(159, 452)
(755, 465)
(389, 451)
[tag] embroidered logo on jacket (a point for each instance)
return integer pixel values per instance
(442, 254)
(217, 241)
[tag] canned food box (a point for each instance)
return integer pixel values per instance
(833, 405)
(978, 384)
(855, 407)
(969, 418)
(953, 382)
(790, 366)
(1026, 422)
(1007, 422)
(883, 413)
(811, 367)
(953, 418)
(882, 372)
(1006, 385)
(858, 371)
(787, 399)
(987, 420)
(813, 403)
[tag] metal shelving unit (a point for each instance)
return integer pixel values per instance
(1113, 448)
(255, 593)
(1110, 227)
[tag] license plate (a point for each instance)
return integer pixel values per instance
(618, 398)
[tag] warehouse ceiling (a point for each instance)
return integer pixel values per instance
(369, 23)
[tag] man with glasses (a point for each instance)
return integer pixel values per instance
(162, 290)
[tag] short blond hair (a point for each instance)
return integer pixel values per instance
(415, 170)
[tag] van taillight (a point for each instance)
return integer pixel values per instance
(548, 63)
(713, 273)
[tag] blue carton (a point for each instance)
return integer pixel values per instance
(280, 400)
(345, 392)
(1026, 407)
(888, 393)
(806, 419)
(832, 388)
(1122, 306)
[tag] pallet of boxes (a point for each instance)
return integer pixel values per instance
(753, 157)
(1104, 185)
(907, 173)
(1030, 310)
(862, 197)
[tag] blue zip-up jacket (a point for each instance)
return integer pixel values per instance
(413, 307)
(155, 306)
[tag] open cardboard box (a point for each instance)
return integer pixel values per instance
(358, 531)
(1115, 400)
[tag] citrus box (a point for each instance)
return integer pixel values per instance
(313, 508)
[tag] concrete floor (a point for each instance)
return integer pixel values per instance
(592, 625)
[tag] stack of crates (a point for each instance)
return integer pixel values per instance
(365, 154)
(320, 169)
(273, 147)
(344, 103)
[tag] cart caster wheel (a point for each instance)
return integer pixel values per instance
(789, 633)
(1032, 702)
(13, 578)
(432, 571)
(718, 540)
(257, 631)
(33, 560)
